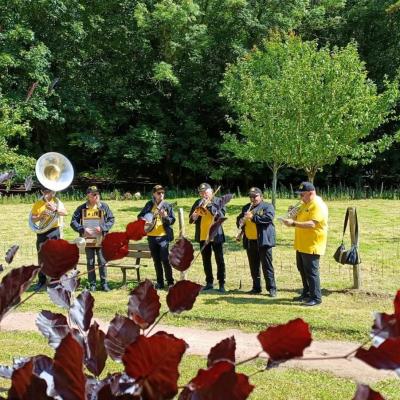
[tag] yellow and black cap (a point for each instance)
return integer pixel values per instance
(254, 191)
(92, 189)
(158, 188)
(203, 187)
(305, 187)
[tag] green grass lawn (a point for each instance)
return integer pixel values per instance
(345, 314)
(278, 384)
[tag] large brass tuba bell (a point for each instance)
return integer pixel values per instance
(55, 172)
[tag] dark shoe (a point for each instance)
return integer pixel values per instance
(209, 286)
(221, 289)
(92, 287)
(272, 293)
(253, 291)
(105, 288)
(311, 303)
(158, 286)
(303, 297)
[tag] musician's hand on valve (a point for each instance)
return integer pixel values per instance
(163, 213)
(195, 216)
(287, 221)
(89, 231)
(248, 215)
(97, 229)
(51, 207)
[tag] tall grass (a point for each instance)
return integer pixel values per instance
(340, 193)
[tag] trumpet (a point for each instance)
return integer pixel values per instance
(240, 232)
(201, 209)
(292, 211)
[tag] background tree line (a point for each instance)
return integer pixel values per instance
(128, 88)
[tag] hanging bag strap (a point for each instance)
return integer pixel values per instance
(346, 219)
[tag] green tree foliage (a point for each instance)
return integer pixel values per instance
(305, 107)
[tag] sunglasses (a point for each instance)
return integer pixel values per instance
(160, 192)
(254, 196)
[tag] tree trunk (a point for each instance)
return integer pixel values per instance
(311, 172)
(274, 168)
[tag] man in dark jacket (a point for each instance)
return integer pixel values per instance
(203, 213)
(160, 217)
(256, 220)
(93, 220)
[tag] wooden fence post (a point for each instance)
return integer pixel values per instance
(357, 278)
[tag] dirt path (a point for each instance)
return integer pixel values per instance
(200, 341)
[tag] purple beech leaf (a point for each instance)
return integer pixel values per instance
(386, 356)
(117, 386)
(81, 312)
(11, 253)
(69, 380)
(144, 304)
(225, 199)
(57, 257)
(5, 176)
(6, 371)
(59, 296)
(54, 327)
(70, 281)
(96, 355)
(122, 331)
(28, 183)
(220, 381)
(214, 228)
(224, 350)
(13, 285)
(25, 385)
(181, 254)
(153, 361)
(182, 296)
(364, 392)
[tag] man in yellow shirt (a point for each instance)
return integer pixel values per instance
(311, 231)
(211, 207)
(162, 217)
(46, 207)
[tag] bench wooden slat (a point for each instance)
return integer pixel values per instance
(136, 251)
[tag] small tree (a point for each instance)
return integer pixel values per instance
(305, 107)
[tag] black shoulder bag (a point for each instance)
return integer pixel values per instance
(350, 256)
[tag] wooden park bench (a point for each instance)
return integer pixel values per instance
(137, 252)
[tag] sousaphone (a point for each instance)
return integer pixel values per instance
(55, 172)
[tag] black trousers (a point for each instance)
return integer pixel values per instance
(91, 253)
(219, 259)
(159, 249)
(260, 255)
(40, 239)
(308, 266)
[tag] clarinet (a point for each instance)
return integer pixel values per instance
(240, 232)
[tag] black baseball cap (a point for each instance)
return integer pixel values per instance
(203, 187)
(305, 187)
(92, 189)
(254, 191)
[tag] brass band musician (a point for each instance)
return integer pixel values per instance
(47, 207)
(257, 222)
(93, 220)
(159, 216)
(209, 205)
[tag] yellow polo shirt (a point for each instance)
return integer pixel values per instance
(205, 224)
(40, 206)
(250, 229)
(158, 227)
(312, 241)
